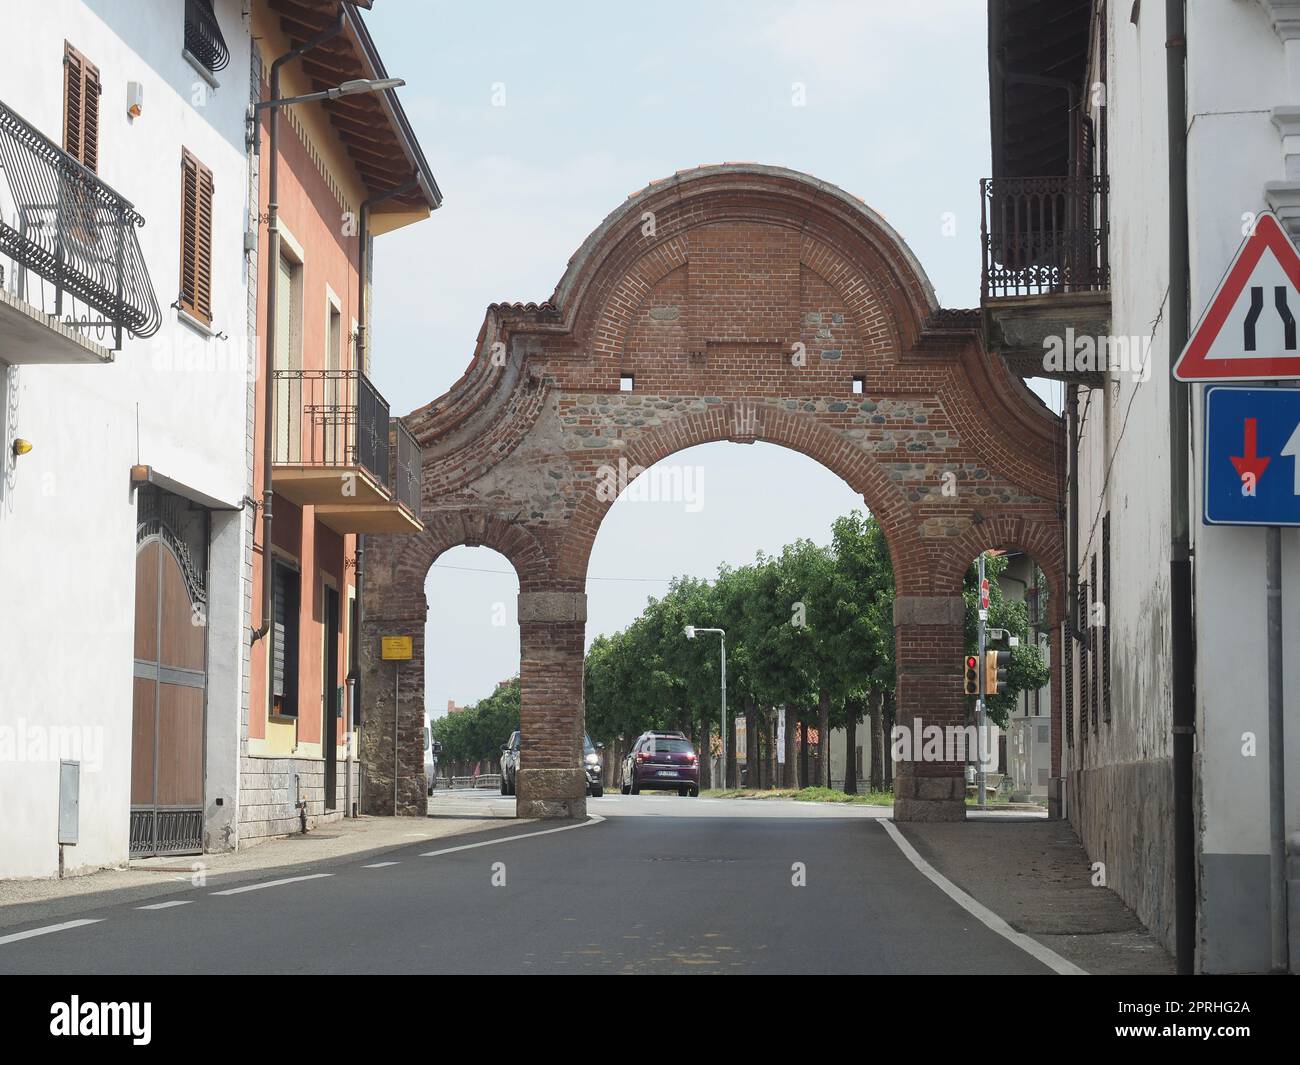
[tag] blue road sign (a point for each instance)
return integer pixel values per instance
(1252, 456)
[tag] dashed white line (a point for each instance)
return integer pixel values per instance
(166, 905)
(380, 865)
(981, 912)
(14, 937)
(271, 883)
(594, 819)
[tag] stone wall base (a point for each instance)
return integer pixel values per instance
(551, 793)
(1123, 815)
(267, 794)
(925, 798)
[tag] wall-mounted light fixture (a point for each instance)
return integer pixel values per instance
(134, 98)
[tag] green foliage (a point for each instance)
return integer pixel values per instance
(810, 619)
(477, 733)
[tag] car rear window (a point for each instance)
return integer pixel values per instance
(670, 746)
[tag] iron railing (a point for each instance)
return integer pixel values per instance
(406, 466)
(203, 38)
(1045, 235)
(331, 418)
(61, 223)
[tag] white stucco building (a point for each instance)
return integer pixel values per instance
(1080, 112)
(124, 529)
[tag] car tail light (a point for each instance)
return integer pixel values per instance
(691, 758)
(642, 756)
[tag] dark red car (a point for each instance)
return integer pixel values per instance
(661, 761)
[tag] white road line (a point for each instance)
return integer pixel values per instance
(380, 865)
(981, 912)
(594, 819)
(14, 937)
(166, 905)
(271, 883)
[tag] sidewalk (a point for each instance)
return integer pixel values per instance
(1036, 876)
(147, 878)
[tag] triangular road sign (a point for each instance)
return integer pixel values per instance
(1248, 331)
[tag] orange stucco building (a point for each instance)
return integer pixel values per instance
(344, 169)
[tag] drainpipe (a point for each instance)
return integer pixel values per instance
(363, 266)
(266, 630)
(1181, 604)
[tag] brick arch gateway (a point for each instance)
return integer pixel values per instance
(743, 303)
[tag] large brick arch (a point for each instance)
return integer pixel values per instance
(743, 302)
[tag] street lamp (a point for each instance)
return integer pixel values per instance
(690, 632)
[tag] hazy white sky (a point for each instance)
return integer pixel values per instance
(601, 98)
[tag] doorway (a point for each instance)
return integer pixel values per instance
(332, 693)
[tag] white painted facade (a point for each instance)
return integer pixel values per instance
(1238, 71)
(177, 402)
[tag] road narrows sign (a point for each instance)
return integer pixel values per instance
(1248, 330)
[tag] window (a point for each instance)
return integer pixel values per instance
(81, 90)
(1085, 658)
(286, 592)
(625, 382)
(1094, 654)
(203, 38)
(1067, 680)
(1105, 617)
(859, 385)
(196, 239)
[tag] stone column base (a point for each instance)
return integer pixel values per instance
(918, 798)
(551, 793)
(1055, 798)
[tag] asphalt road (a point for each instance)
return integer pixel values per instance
(661, 885)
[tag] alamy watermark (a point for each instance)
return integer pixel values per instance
(659, 484)
(1085, 353)
(24, 742)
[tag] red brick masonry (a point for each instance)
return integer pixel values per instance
(743, 301)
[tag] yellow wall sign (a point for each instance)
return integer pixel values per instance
(396, 648)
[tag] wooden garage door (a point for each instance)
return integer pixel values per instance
(170, 681)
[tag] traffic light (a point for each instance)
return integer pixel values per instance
(972, 675)
(995, 671)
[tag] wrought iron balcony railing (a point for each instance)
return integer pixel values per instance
(70, 238)
(203, 38)
(1045, 235)
(330, 418)
(406, 467)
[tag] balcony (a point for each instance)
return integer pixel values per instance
(334, 443)
(1046, 271)
(72, 276)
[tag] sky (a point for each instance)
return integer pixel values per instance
(539, 121)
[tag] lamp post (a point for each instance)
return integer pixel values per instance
(690, 632)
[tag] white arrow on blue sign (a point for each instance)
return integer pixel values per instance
(1252, 456)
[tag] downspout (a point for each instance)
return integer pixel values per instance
(266, 630)
(363, 266)
(1182, 620)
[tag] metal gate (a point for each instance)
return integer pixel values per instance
(167, 732)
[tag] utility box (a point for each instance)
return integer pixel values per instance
(69, 801)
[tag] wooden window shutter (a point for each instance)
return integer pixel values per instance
(196, 238)
(80, 108)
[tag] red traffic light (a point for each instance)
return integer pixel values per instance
(971, 661)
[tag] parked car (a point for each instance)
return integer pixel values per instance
(510, 764)
(592, 761)
(661, 761)
(591, 764)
